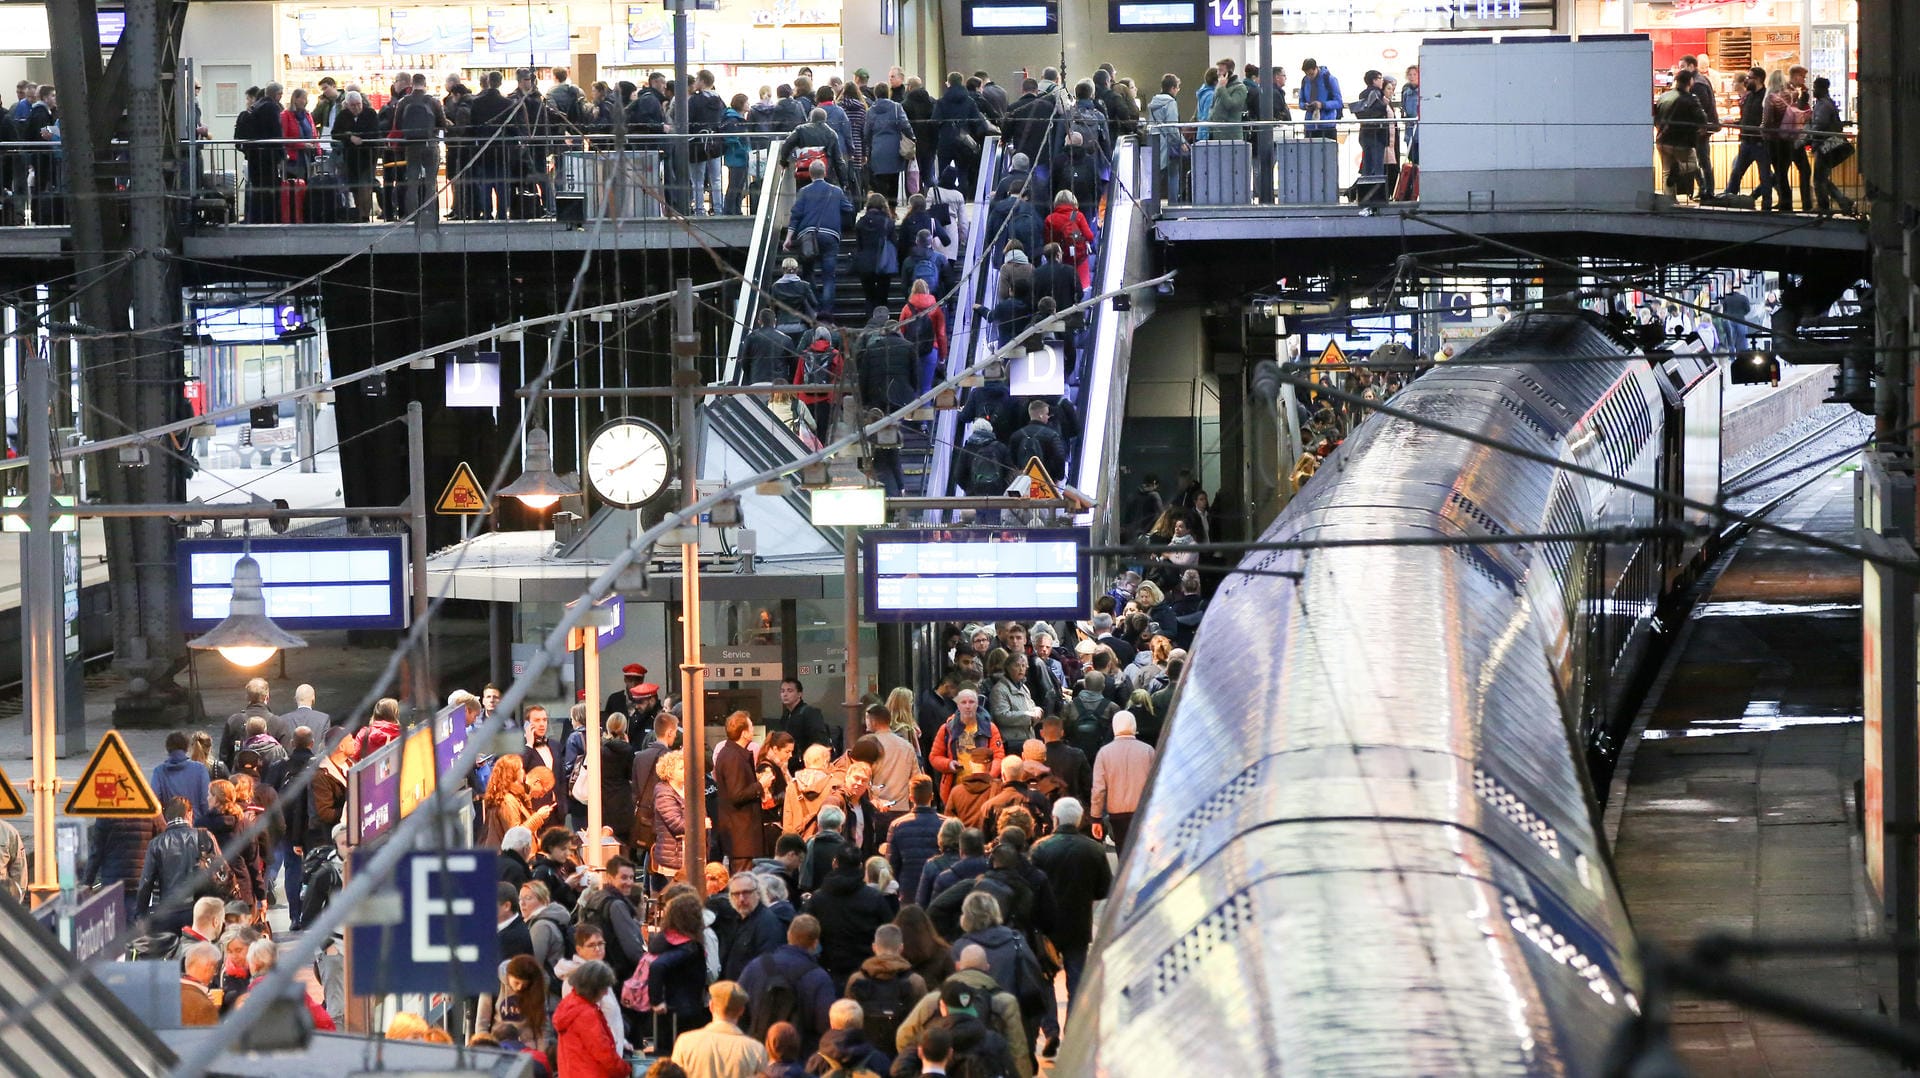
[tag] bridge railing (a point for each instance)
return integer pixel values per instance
(1352, 162)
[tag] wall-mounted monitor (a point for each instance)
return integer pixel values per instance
(1149, 16)
(986, 18)
(308, 583)
(975, 574)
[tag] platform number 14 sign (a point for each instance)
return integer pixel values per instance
(1226, 18)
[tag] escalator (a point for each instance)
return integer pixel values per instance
(964, 326)
(1099, 400)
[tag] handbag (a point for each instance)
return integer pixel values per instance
(913, 176)
(809, 245)
(1834, 149)
(965, 145)
(889, 263)
(908, 148)
(581, 788)
(213, 866)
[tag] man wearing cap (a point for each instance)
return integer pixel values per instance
(964, 1006)
(621, 701)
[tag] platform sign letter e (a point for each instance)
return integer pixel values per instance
(430, 903)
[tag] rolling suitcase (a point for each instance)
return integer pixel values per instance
(1734, 201)
(326, 193)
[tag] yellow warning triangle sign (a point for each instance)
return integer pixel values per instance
(1331, 357)
(1042, 486)
(112, 784)
(10, 803)
(464, 495)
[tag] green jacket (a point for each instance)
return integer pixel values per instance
(1229, 109)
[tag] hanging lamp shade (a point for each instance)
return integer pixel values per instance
(247, 637)
(538, 487)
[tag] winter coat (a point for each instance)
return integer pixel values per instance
(1162, 111)
(1011, 703)
(1020, 794)
(549, 929)
(249, 874)
(759, 933)
(1003, 946)
(889, 373)
(1039, 440)
(1325, 89)
(1090, 721)
(848, 910)
(738, 823)
(678, 975)
(1072, 768)
(887, 124)
(172, 858)
(872, 236)
(911, 842)
(586, 1043)
(812, 135)
(1034, 128)
(766, 357)
(616, 785)
(812, 986)
(117, 850)
(956, 115)
(946, 750)
(1079, 875)
(806, 794)
(645, 779)
(927, 307)
(848, 1052)
(819, 208)
(967, 801)
(887, 982)
(669, 829)
(1229, 108)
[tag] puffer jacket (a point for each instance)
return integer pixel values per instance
(912, 841)
(848, 911)
(670, 829)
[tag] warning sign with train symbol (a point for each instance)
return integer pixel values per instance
(464, 495)
(111, 784)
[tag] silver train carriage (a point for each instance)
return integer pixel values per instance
(1370, 844)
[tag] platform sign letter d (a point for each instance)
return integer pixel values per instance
(428, 902)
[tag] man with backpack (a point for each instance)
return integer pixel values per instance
(609, 908)
(705, 114)
(1320, 99)
(886, 987)
(813, 230)
(417, 121)
(814, 141)
(790, 986)
(981, 1022)
(984, 466)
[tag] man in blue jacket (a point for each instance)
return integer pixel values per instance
(178, 776)
(1319, 99)
(817, 213)
(805, 991)
(914, 838)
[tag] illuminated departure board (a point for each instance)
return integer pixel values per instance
(975, 574)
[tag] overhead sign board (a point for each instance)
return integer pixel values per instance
(464, 495)
(373, 794)
(1226, 18)
(987, 18)
(111, 784)
(473, 380)
(449, 737)
(357, 582)
(608, 634)
(441, 931)
(1153, 16)
(975, 574)
(417, 775)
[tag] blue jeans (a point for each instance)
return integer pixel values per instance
(706, 187)
(1751, 153)
(292, 877)
(827, 266)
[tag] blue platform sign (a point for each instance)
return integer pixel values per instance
(373, 792)
(1226, 18)
(441, 929)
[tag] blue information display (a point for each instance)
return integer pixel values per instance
(976, 574)
(1226, 18)
(373, 793)
(439, 932)
(318, 583)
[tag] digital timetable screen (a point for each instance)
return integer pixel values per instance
(308, 583)
(975, 574)
(985, 18)
(1140, 16)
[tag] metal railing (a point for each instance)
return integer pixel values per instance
(965, 329)
(469, 178)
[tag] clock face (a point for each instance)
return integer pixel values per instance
(628, 462)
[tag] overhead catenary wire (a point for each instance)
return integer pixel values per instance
(450, 785)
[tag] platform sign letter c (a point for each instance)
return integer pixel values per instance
(426, 907)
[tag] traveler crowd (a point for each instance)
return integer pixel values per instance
(1787, 128)
(889, 898)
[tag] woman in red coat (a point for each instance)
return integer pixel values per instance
(586, 1043)
(297, 123)
(1068, 227)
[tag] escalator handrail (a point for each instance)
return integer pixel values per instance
(759, 248)
(1106, 379)
(961, 340)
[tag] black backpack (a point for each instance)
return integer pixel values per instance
(816, 363)
(987, 468)
(885, 1004)
(779, 1002)
(415, 116)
